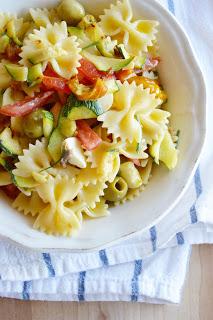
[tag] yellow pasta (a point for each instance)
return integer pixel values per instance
(82, 120)
(137, 36)
(52, 44)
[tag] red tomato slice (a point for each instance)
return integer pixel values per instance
(26, 106)
(88, 70)
(49, 72)
(88, 138)
(83, 79)
(57, 84)
(88, 73)
(11, 191)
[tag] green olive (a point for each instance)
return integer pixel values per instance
(116, 190)
(130, 174)
(33, 124)
(67, 127)
(71, 11)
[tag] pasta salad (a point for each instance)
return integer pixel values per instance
(83, 114)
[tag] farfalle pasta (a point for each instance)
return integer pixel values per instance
(83, 114)
(43, 17)
(137, 36)
(52, 44)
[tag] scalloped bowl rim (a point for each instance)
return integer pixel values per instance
(25, 240)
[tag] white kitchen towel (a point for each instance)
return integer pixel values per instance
(130, 271)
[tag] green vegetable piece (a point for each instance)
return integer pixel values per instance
(18, 73)
(4, 41)
(67, 127)
(75, 31)
(35, 73)
(116, 190)
(76, 109)
(90, 45)
(130, 174)
(106, 47)
(48, 123)
(91, 28)
(33, 124)
(106, 64)
(24, 183)
(55, 144)
(9, 144)
(71, 11)
(11, 32)
(87, 21)
(38, 56)
(168, 153)
(122, 51)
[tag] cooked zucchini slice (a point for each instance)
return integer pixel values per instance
(71, 11)
(35, 73)
(48, 123)
(106, 47)
(4, 41)
(38, 56)
(22, 182)
(91, 28)
(106, 64)
(67, 127)
(76, 109)
(55, 144)
(11, 32)
(33, 124)
(130, 174)
(122, 51)
(165, 150)
(9, 144)
(76, 31)
(18, 73)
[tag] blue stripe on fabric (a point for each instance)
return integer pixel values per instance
(81, 286)
(198, 184)
(153, 236)
(180, 238)
(25, 291)
(193, 214)
(134, 282)
(48, 262)
(103, 258)
(171, 6)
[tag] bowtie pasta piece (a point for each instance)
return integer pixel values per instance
(43, 17)
(106, 159)
(52, 44)
(136, 36)
(132, 106)
(100, 210)
(29, 204)
(36, 163)
(62, 214)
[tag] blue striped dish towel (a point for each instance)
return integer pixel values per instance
(129, 271)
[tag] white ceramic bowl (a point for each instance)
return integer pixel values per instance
(184, 83)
